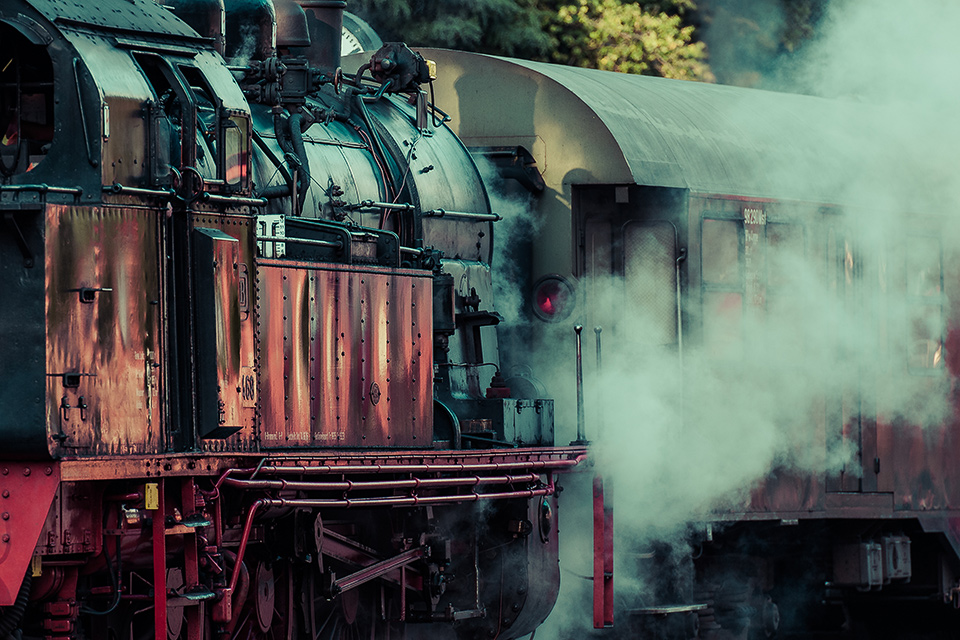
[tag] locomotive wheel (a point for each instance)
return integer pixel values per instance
(355, 615)
(264, 596)
(269, 614)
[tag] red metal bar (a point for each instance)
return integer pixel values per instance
(191, 559)
(602, 554)
(599, 544)
(608, 554)
(160, 565)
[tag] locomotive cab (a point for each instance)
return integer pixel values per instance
(26, 99)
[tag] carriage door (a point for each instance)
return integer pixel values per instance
(631, 267)
(850, 432)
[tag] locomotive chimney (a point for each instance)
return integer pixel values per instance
(251, 30)
(292, 30)
(325, 22)
(206, 17)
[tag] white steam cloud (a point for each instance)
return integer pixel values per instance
(748, 410)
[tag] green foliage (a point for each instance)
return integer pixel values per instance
(741, 41)
(649, 39)
(504, 27)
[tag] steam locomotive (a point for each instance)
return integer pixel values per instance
(249, 371)
(774, 290)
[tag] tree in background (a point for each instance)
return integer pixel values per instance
(501, 27)
(734, 41)
(648, 38)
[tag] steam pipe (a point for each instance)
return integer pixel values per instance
(349, 485)
(233, 200)
(239, 597)
(405, 468)
(295, 122)
(483, 217)
(370, 204)
(581, 438)
(392, 501)
(42, 188)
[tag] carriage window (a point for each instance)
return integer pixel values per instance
(785, 262)
(650, 279)
(723, 286)
(924, 279)
(785, 243)
(721, 252)
(26, 102)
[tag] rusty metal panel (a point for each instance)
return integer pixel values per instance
(357, 361)
(270, 333)
(102, 292)
(346, 388)
(324, 356)
(296, 357)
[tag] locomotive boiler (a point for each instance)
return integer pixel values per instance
(249, 371)
(774, 283)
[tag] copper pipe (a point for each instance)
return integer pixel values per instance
(408, 468)
(349, 485)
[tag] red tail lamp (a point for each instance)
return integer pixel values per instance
(553, 298)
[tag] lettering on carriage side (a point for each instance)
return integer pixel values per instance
(754, 216)
(754, 221)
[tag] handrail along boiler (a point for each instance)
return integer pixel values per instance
(246, 339)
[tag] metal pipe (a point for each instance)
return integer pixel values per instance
(441, 213)
(598, 330)
(137, 191)
(42, 188)
(371, 204)
(409, 468)
(404, 501)
(581, 437)
(392, 501)
(376, 570)
(349, 485)
(307, 241)
(235, 200)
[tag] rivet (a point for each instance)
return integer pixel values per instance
(6, 494)
(6, 515)
(6, 537)
(26, 471)
(48, 470)
(5, 471)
